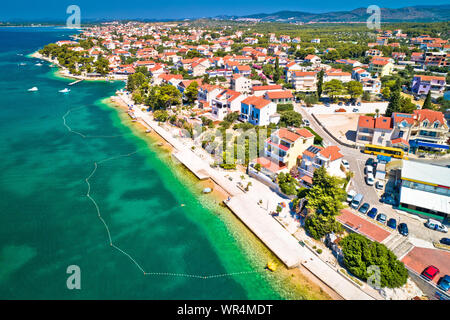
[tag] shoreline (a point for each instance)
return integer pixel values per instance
(298, 277)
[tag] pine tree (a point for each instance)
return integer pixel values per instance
(427, 102)
(394, 102)
(319, 83)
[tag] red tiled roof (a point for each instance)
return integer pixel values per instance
(258, 102)
(283, 94)
(332, 153)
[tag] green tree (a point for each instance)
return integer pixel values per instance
(191, 92)
(161, 115)
(427, 103)
(290, 118)
(320, 83)
(360, 253)
(333, 88)
(102, 66)
(394, 101)
(354, 89)
(287, 183)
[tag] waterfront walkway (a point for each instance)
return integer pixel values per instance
(256, 216)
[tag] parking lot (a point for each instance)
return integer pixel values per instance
(420, 258)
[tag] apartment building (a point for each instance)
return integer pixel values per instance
(304, 81)
(258, 111)
(285, 145)
(421, 84)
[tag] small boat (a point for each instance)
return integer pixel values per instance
(207, 190)
(65, 90)
(33, 89)
(148, 130)
(271, 266)
(38, 64)
(22, 64)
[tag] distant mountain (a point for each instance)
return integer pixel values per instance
(407, 14)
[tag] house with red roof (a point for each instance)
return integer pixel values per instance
(227, 101)
(374, 130)
(240, 83)
(304, 81)
(258, 111)
(429, 132)
(315, 157)
(285, 145)
(281, 96)
(422, 84)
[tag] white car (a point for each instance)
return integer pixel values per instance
(306, 122)
(345, 164)
(379, 185)
(370, 179)
(436, 225)
(369, 169)
(350, 195)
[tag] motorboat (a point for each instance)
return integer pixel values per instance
(33, 89)
(38, 64)
(65, 90)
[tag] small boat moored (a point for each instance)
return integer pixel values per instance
(65, 90)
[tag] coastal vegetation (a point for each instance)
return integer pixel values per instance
(361, 253)
(324, 202)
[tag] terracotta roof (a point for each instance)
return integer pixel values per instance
(332, 153)
(257, 102)
(284, 94)
(399, 140)
(375, 123)
(430, 115)
(268, 87)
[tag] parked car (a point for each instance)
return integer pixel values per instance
(382, 218)
(372, 213)
(368, 169)
(403, 229)
(379, 185)
(444, 283)
(370, 180)
(350, 195)
(340, 104)
(358, 104)
(345, 164)
(430, 273)
(355, 110)
(364, 208)
(356, 202)
(445, 241)
(306, 122)
(436, 225)
(392, 223)
(369, 162)
(388, 199)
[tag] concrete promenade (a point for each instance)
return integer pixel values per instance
(255, 217)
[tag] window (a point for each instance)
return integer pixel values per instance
(436, 124)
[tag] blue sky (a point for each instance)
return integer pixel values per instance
(115, 9)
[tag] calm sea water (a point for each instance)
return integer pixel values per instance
(47, 222)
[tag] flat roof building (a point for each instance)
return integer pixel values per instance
(425, 190)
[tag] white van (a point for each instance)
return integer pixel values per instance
(356, 202)
(350, 195)
(435, 225)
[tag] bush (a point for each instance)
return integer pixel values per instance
(318, 226)
(285, 107)
(360, 253)
(317, 139)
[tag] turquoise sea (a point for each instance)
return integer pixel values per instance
(157, 218)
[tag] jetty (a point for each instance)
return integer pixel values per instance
(75, 82)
